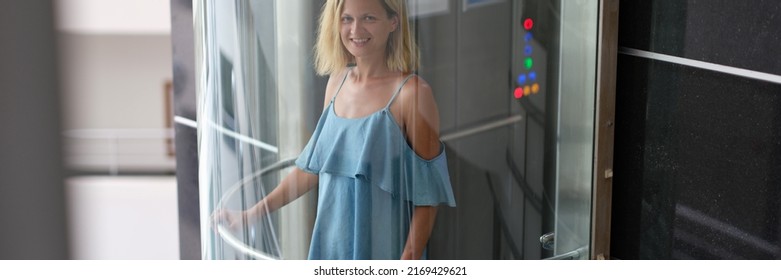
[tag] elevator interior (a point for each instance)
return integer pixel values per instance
(515, 82)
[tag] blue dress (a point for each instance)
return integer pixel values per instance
(369, 182)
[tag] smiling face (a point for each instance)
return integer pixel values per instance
(365, 27)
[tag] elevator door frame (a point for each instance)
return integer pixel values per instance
(604, 130)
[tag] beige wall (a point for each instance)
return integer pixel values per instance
(115, 81)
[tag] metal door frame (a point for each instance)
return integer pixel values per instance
(601, 203)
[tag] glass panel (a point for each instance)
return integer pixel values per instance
(575, 131)
(514, 82)
(238, 129)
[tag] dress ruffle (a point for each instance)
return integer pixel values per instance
(374, 148)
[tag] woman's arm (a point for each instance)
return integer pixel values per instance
(420, 123)
(419, 232)
(419, 116)
(297, 183)
(293, 186)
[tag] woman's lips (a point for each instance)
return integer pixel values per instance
(360, 42)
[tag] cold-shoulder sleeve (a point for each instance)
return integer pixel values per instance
(427, 182)
(305, 158)
(308, 160)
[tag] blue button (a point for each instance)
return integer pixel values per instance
(533, 76)
(527, 50)
(521, 79)
(528, 37)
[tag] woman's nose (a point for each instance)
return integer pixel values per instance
(355, 26)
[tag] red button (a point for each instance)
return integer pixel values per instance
(518, 93)
(528, 24)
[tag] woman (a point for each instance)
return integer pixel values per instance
(375, 155)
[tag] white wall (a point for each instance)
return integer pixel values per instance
(123, 218)
(114, 16)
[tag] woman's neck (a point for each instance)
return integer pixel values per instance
(370, 69)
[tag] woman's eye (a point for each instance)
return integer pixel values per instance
(347, 19)
(369, 18)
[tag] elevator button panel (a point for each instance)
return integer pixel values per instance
(526, 79)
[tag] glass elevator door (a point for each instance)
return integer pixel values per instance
(515, 82)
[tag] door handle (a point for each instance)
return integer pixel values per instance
(548, 240)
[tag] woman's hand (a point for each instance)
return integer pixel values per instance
(230, 219)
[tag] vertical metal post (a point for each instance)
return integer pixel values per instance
(184, 101)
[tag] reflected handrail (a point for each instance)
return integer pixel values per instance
(241, 246)
(480, 128)
(231, 239)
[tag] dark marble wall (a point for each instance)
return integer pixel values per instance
(698, 152)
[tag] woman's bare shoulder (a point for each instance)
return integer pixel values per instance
(419, 106)
(420, 118)
(417, 93)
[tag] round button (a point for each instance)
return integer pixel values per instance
(528, 62)
(518, 93)
(521, 79)
(528, 24)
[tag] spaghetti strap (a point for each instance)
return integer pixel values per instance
(398, 90)
(341, 84)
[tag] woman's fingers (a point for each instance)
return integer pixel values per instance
(221, 216)
(230, 219)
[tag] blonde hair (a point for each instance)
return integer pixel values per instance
(331, 56)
